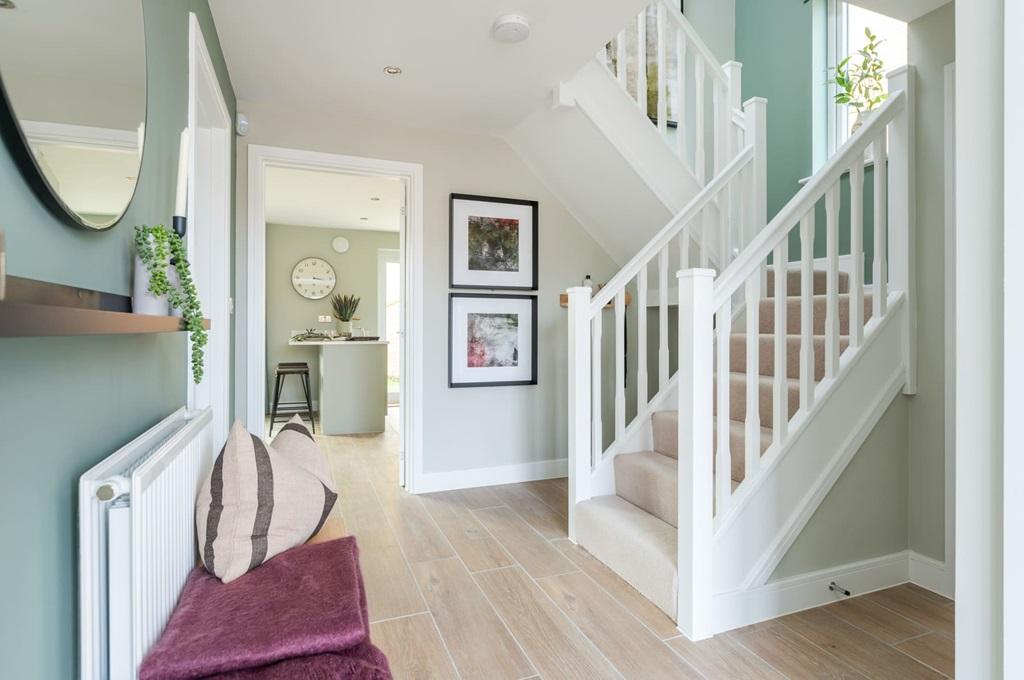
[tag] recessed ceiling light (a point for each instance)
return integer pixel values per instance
(389, 70)
(364, 218)
(374, 198)
(511, 28)
(7, 4)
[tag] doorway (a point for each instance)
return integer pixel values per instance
(208, 236)
(266, 162)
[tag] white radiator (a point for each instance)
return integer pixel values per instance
(137, 541)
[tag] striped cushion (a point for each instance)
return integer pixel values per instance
(254, 504)
(295, 442)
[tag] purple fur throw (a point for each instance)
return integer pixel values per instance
(300, 615)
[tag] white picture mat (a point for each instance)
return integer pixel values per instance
(462, 275)
(462, 307)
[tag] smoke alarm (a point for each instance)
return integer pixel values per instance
(511, 28)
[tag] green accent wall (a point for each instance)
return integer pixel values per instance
(66, 403)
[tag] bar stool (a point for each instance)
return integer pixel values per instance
(283, 370)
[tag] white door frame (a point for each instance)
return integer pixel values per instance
(411, 245)
(384, 256)
(209, 209)
(949, 123)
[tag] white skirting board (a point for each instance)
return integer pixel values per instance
(429, 482)
(745, 607)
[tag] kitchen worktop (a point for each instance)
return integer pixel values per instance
(335, 343)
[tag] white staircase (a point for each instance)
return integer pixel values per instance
(785, 363)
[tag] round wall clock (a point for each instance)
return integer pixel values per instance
(313, 278)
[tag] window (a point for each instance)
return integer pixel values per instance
(846, 35)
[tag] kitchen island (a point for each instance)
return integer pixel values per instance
(353, 384)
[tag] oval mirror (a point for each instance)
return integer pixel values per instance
(73, 85)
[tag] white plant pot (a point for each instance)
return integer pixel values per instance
(143, 301)
(172, 278)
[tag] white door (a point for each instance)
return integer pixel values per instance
(208, 235)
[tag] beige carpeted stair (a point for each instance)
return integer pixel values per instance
(633, 532)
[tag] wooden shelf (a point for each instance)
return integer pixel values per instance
(563, 300)
(33, 309)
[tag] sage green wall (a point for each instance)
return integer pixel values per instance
(931, 43)
(66, 403)
(288, 311)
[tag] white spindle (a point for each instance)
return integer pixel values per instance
(662, 319)
(620, 58)
(733, 90)
(662, 72)
(695, 472)
(579, 401)
(597, 420)
(755, 126)
(780, 392)
(723, 458)
(641, 61)
(705, 235)
(856, 330)
(684, 247)
(880, 270)
(719, 131)
(752, 440)
(681, 86)
(641, 340)
(699, 159)
(832, 281)
(724, 227)
(806, 311)
(620, 363)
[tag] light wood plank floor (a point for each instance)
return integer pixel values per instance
(483, 583)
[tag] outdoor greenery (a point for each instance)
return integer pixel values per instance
(860, 77)
(160, 248)
(344, 306)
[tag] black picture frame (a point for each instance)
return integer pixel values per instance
(535, 251)
(533, 340)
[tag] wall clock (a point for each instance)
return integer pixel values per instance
(313, 278)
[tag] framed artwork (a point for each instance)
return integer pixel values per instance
(492, 242)
(492, 340)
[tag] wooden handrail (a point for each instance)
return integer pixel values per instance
(676, 225)
(747, 262)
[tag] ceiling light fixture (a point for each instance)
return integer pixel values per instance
(511, 28)
(7, 4)
(364, 218)
(389, 70)
(374, 198)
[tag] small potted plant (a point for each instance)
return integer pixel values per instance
(860, 80)
(160, 248)
(344, 310)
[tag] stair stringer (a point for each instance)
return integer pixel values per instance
(767, 517)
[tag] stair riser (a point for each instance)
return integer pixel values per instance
(766, 355)
(666, 440)
(820, 282)
(766, 315)
(738, 399)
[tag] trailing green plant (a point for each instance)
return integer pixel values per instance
(344, 306)
(160, 248)
(859, 77)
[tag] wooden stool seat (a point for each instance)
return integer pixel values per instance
(284, 369)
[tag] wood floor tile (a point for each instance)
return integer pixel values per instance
(791, 654)
(390, 588)
(414, 648)
(858, 649)
(933, 650)
(868, 615)
(550, 494)
(917, 607)
(724, 657)
(536, 512)
(529, 549)
(635, 603)
(477, 639)
(416, 532)
(481, 497)
(924, 592)
(633, 649)
(471, 541)
(554, 645)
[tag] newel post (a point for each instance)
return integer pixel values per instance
(733, 97)
(755, 124)
(902, 205)
(696, 483)
(579, 401)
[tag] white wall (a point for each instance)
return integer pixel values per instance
(464, 428)
(979, 340)
(715, 21)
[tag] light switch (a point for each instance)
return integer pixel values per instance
(325, 318)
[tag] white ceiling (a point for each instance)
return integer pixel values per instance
(328, 56)
(904, 10)
(323, 199)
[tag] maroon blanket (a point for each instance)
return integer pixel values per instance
(300, 615)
